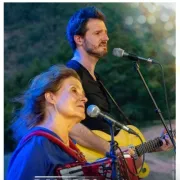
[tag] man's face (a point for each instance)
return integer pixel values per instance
(96, 38)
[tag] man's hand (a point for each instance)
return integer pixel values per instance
(167, 144)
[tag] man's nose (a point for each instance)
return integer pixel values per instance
(106, 38)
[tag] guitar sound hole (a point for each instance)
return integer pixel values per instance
(143, 170)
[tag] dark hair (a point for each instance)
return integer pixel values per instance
(33, 100)
(77, 23)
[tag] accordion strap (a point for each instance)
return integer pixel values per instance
(72, 150)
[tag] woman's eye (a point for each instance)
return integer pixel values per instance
(74, 90)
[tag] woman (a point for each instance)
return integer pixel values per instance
(53, 104)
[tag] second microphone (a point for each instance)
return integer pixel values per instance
(93, 111)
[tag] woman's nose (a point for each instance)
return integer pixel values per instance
(84, 99)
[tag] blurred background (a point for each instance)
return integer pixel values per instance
(35, 39)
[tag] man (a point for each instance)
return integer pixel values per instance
(87, 35)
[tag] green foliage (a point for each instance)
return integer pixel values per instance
(35, 39)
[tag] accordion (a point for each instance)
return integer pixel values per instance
(99, 170)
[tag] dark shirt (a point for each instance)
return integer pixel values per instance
(95, 95)
(37, 157)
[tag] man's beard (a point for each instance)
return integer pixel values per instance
(93, 50)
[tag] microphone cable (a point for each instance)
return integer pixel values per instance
(165, 95)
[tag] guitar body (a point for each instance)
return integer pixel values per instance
(124, 139)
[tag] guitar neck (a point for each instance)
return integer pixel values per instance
(149, 146)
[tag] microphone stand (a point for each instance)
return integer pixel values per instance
(115, 172)
(157, 109)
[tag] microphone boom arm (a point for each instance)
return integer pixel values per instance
(118, 124)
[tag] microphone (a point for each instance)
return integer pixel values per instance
(118, 52)
(93, 111)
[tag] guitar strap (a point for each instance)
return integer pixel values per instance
(72, 150)
(127, 121)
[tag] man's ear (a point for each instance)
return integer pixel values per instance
(50, 97)
(78, 40)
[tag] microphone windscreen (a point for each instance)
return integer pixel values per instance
(93, 111)
(118, 52)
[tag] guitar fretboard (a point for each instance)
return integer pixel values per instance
(148, 146)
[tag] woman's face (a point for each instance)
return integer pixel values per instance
(70, 99)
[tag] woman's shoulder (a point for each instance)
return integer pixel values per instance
(39, 138)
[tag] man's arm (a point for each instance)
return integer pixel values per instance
(87, 138)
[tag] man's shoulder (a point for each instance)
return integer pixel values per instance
(74, 65)
(77, 67)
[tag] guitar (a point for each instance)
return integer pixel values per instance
(123, 138)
